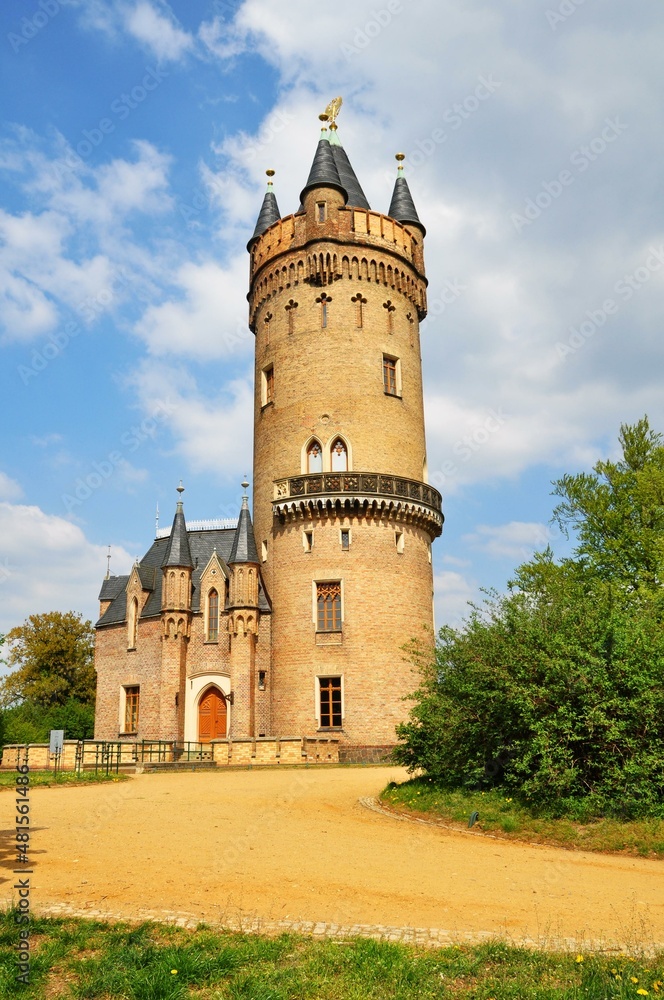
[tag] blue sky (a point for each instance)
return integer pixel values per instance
(134, 139)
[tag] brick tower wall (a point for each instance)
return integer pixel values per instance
(328, 382)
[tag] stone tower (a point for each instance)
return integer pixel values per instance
(343, 516)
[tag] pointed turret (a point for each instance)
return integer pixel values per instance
(324, 171)
(402, 208)
(269, 213)
(244, 544)
(356, 196)
(177, 550)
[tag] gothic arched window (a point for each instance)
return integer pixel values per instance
(213, 616)
(339, 456)
(314, 457)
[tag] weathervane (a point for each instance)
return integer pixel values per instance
(332, 110)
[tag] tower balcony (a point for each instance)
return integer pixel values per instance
(366, 494)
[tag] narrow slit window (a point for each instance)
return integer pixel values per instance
(308, 540)
(360, 302)
(321, 211)
(390, 315)
(290, 308)
(345, 539)
(399, 541)
(213, 616)
(324, 301)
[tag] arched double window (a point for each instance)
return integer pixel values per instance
(314, 457)
(339, 456)
(213, 616)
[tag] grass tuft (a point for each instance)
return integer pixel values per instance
(504, 816)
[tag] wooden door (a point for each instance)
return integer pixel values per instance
(211, 715)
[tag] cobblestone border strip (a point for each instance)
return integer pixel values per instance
(422, 937)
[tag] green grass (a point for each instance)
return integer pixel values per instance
(505, 817)
(8, 778)
(87, 960)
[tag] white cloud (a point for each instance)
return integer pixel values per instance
(516, 540)
(157, 32)
(152, 26)
(210, 435)
(209, 318)
(9, 488)
(453, 592)
(47, 564)
(79, 252)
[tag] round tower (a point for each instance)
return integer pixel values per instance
(343, 515)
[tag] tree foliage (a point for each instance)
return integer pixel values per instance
(554, 690)
(51, 661)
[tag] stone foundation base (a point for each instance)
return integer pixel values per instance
(365, 755)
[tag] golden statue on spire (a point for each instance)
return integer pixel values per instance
(332, 110)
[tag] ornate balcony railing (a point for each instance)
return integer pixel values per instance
(361, 487)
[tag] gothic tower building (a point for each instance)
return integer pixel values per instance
(295, 625)
(343, 513)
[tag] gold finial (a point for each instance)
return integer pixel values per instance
(270, 173)
(400, 157)
(332, 110)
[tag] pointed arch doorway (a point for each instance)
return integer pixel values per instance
(212, 715)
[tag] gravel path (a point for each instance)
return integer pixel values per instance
(296, 849)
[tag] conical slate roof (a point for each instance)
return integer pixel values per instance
(356, 196)
(268, 214)
(402, 207)
(324, 171)
(244, 544)
(177, 551)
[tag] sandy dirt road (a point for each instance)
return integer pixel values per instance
(297, 845)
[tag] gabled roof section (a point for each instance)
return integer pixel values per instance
(402, 207)
(112, 586)
(348, 177)
(244, 544)
(269, 213)
(178, 552)
(324, 171)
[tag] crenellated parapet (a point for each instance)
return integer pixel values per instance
(353, 243)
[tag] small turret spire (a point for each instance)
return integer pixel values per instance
(178, 552)
(244, 544)
(402, 207)
(269, 213)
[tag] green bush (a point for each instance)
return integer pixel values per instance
(555, 689)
